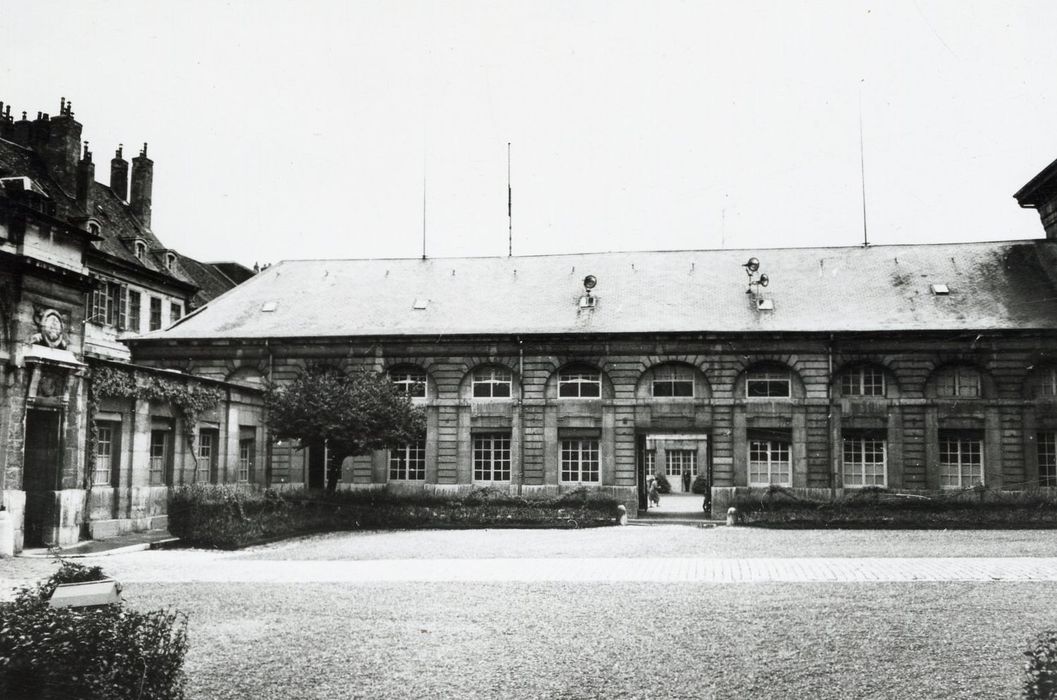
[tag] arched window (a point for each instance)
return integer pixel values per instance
(579, 382)
(958, 381)
(768, 382)
(410, 380)
(1044, 382)
(673, 380)
(492, 383)
(863, 380)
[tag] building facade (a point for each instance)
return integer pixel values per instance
(912, 367)
(81, 272)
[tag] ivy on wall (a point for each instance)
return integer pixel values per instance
(188, 398)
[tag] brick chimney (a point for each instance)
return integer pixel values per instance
(1041, 194)
(119, 174)
(85, 178)
(6, 125)
(20, 131)
(58, 142)
(142, 180)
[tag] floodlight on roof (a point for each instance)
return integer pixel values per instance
(752, 265)
(589, 282)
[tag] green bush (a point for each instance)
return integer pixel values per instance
(1040, 670)
(663, 485)
(108, 652)
(779, 506)
(227, 518)
(700, 485)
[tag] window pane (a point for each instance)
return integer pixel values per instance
(1047, 450)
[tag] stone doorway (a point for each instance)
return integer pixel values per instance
(41, 471)
(682, 459)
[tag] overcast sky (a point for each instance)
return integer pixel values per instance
(304, 129)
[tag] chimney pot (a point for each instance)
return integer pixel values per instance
(119, 174)
(142, 182)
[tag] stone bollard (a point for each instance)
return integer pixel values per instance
(732, 516)
(622, 519)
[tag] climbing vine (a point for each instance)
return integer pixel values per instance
(188, 398)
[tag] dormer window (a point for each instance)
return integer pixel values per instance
(170, 261)
(140, 248)
(94, 228)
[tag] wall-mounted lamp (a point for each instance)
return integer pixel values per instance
(751, 268)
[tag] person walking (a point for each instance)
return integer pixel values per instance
(686, 481)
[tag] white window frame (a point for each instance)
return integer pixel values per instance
(671, 375)
(684, 458)
(859, 473)
(159, 458)
(134, 320)
(491, 379)
(580, 377)
(491, 457)
(102, 472)
(769, 376)
(579, 457)
(409, 379)
(206, 453)
(853, 382)
(408, 462)
(247, 447)
(771, 465)
(952, 474)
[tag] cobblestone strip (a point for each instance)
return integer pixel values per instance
(672, 570)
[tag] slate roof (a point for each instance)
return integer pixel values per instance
(996, 285)
(119, 226)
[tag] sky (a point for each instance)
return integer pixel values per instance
(284, 130)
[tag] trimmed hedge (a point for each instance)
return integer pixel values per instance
(105, 653)
(1040, 670)
(875, 507)
(224, 517)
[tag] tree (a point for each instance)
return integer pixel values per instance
(352, 414)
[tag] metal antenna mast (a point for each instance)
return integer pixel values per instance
(509, 206)
(862, 172)
(423, 206)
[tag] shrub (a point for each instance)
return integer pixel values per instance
(228, 518)
(106, 652)
(1040, 670)
(700, 485)
(663, 485)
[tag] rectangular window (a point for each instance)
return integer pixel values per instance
(673, 381)
(107, 304)
(247, 453)
(208, 439)
(106, 456)
(651, 461)
(863, 381)
(865, 458)
(159, 457)
(492, 383)
(768, 384)
(580, 384)
(1047, 450)
(579, 460)
(491, 457)
(769, 458)
(155, 313)
(133, 311)
(408, 463)
(175, 312)
(961, 459)
(680, 461)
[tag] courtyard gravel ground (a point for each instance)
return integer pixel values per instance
(575, 639)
